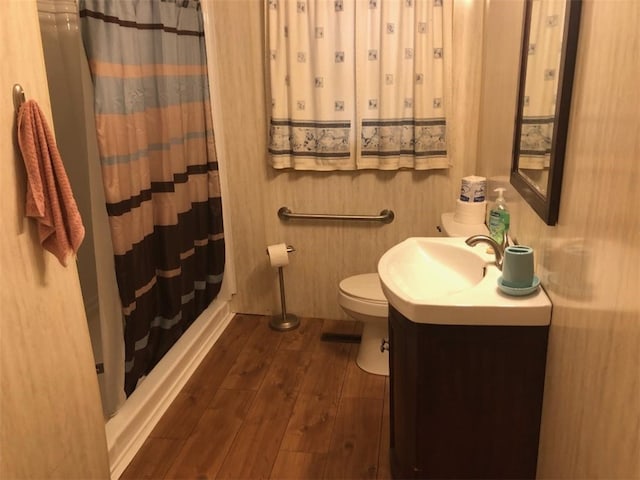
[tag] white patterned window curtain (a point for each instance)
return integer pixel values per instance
(541, 85)
(357, 84)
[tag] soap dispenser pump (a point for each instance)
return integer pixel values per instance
(499, 218)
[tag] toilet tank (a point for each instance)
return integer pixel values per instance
(451, 228)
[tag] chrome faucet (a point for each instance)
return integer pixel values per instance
(497, 248)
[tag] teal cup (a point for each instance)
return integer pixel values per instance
(517, 266)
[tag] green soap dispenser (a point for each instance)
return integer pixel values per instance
(499, 218)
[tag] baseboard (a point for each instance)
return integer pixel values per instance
(130, 427)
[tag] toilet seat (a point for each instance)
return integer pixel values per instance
(363, 294)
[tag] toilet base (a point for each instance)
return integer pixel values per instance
(370, 358)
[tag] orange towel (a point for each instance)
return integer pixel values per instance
(49, 196)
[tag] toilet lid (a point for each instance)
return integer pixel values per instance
(365, 286)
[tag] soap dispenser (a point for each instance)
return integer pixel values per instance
(499, 218)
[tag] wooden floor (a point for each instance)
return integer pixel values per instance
(267, 404)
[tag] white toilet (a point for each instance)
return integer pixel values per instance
(362, 299)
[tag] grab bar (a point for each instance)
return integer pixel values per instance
(386, 216)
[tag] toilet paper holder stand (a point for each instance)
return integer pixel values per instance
(285, 321)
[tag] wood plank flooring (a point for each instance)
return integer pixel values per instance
(266, 404)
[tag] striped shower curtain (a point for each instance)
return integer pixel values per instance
(154, 127)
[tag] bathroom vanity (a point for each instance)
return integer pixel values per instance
(465, 400)
(466, 364)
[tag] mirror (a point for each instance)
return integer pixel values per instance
(548, 55)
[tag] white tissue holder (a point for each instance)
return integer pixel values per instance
(285, 321)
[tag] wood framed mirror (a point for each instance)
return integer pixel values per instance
(547, 62)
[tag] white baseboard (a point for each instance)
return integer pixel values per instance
(129, 428)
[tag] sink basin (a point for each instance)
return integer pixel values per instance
(444, 281)
(428, 268)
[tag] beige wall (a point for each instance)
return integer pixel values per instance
(326, 252)
(590, 261)
(50, 415)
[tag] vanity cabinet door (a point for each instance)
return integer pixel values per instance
(403, 402)
(465, 400)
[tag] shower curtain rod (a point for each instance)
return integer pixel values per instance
(386, 216)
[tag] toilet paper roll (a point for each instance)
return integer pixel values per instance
(470, 213)
(473, 189)
(278, 255)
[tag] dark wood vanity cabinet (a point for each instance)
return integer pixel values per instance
(465, 400)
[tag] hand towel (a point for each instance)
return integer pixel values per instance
(49, 197)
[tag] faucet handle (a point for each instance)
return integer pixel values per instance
(509, 240)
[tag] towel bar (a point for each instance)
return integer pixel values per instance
(386, 216)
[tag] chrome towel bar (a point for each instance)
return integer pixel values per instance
(386, 216)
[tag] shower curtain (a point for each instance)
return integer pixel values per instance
(157, 151)
(71, 94)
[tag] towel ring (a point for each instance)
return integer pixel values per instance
(18, 97)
